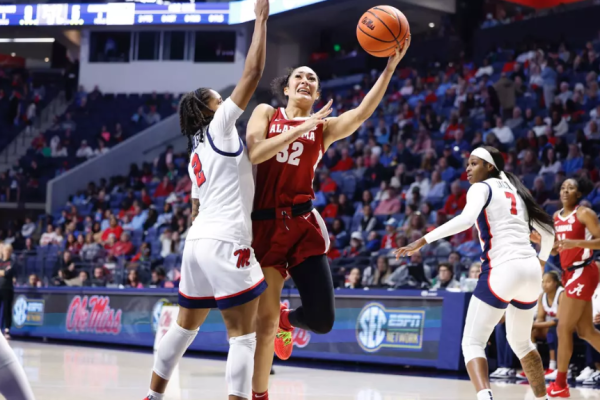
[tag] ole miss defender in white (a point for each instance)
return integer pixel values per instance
(505, 213)
(219, 267)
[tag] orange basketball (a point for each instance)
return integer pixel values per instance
(381, 30)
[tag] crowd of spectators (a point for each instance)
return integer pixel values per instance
(93, 124)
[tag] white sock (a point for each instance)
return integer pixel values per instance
(13, 382)
(155, 396)
(171, 349)
(240, 365)
(485, 394)
(552, 365)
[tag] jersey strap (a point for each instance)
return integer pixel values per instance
(224, 153)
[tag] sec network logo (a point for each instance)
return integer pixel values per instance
(378, 327)
(28, 312)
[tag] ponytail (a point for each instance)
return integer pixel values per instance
(534, 211)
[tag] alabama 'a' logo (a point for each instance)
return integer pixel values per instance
(243, 256)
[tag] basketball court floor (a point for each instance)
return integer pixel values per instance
(62, 372)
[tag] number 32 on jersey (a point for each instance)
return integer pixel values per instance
(292, 158)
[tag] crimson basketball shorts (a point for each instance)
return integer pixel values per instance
(284, 243)
(581, 283)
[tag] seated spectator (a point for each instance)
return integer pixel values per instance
(445, 278)
(345, 207)
(389, 239)
(539, 192)
(164, 189)
(438, 186)
(166, 240)
(389, 204)
(114, 229)
(123, 247)
(102, 149)
(66, 261)
(159, 279)
(331, 209)
(333, 253)
(48, 237)
(459, 145)
(375, 173)
(356, 247)
(133, 280)
(153, 117)
(34, 281)
(448, 174)
(516, 121)
(84, 151)
(354, 279)
(184, 185)
(28, 228)
(84, 278)
(485, 69)
(139, 117)
(99, 279)
(503, 132)
(574, 161)
(539, 127)
(68, 123)
(379, 275)
(549, 162)
(530, 163)
(345, 163)
(422, 183)
(373, 242)
(339, 233)
(474, 271)
(368, 222)
(457, 199)
(90, 251)
(559, 125)
(591, 130)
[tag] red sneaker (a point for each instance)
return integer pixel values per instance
(521, 375)
(284, 341)
(556, 391)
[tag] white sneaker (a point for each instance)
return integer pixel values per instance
(593, 379)
(504, 373)
(552, 376)
(585, 374)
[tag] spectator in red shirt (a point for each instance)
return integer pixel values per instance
(328, 185)
(110, 243)
(123, 247)
(389, 239)
(333, 252)
(114, 229)
(331, 209)
(345, 163)
(164, 189)
(147, 200)
(457, 199)
(454, 126)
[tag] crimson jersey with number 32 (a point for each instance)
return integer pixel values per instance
(287, 178)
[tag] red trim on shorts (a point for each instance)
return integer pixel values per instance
(239, 293)
(195, 298)
(492, 290)
(524, 302)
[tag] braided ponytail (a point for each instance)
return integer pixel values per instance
(195, 115)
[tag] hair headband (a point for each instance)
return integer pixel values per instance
(485, 155)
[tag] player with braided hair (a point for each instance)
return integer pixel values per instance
(219, 268)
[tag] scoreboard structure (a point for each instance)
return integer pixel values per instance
(115, 14)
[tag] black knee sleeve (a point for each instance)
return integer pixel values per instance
(315, 286)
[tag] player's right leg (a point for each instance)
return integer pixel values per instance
(267, 325)
(196, 298)
(13, 382)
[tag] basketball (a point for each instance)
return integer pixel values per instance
(381, 30)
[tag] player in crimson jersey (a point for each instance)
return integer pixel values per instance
(575, 226)
(289, 235)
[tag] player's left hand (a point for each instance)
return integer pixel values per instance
(410, 249)
(394, 60)
(566, 244)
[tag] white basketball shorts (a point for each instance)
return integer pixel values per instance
(517, 282)
(219, 274)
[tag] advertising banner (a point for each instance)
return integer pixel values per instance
(389, 329)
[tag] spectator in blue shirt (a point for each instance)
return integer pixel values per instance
(574, 161)
(448, 173)
(549, 76)
(387, 156)
(460, 144)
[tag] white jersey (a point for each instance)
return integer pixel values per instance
(222, 180)
(551, 309)
(502, 224)
(499, 213)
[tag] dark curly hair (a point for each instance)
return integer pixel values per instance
(280, 83)
(195, 115)
(584, 186)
